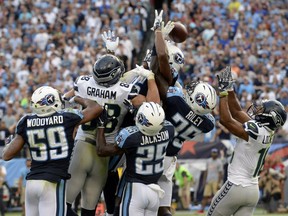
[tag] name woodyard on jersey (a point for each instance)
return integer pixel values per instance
(106, 94)
(162, 136)
(45, 121)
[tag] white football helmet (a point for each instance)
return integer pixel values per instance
(201, 97)
(150, 118)
(176, 59)
(45, 101)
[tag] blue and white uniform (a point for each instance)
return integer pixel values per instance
(50, 141)
(144, 166)
(240, 193)
(188, 126)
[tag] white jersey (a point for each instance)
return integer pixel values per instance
(86, 87)
(248, 157)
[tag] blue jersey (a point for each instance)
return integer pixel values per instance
(50, 141)
(187, 124)
(144, 154)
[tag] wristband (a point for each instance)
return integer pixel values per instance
(151, 76)
(223, 94)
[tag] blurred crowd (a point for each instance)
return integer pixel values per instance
(53, 42)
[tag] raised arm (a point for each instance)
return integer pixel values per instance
(91, 109)
(152, 92)
(102, 148)
(234, 126)
(13, 147)
(235, 108)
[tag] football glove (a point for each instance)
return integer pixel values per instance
(225, 81)
(158, 20)
(167, 28)
(129, 106)
(111, 42)
(141, 71)
(104, 118)
(147, 57)
(68, 102)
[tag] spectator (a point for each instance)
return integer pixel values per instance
(184, 179)
(213, 178)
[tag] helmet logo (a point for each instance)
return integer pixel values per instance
(48, 100)
(143, 120)
(178, 58)
(201, 100)
(276, 118)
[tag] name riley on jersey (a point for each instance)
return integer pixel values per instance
(162, 136)
(45, 121)
(101, 93)
(194, 118)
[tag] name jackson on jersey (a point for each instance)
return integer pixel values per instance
(162, 136)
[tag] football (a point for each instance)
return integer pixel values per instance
(179, 33)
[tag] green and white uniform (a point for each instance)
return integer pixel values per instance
(240, 194)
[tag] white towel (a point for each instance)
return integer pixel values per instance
(158, 189)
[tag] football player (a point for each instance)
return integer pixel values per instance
(255, 130)
(49, 135)
(192, 115)
(88, 170)
(144, 146)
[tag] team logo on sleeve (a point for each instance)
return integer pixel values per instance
(178, 58)
(143, 120)
(48, 100)
(201, 100)
(119, 139)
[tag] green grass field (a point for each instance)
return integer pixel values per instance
(183, 213)
(259, 212)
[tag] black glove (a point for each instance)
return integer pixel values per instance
(129, 106)
(225, 81)
(104, 118)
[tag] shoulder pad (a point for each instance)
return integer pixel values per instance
(174, 91)
(252, 129)
(122, 136)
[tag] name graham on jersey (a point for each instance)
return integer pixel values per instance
(45, 121)
(195, 119)
(162, 136)
(101, 93)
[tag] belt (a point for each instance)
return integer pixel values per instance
(90, 141)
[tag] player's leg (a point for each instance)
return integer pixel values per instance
(166, 183)
(231, 197)
(32, 197)
(81, 163)
(119, 193)
(110, 190)
(153, 194)
(95, 181)
(52, 198)
(251, 199)
(134, 200)
(208, 191)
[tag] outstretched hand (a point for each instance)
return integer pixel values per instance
(141, 71)
(158, 20)
(110, 40)
(167, 28)
(225, 80)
